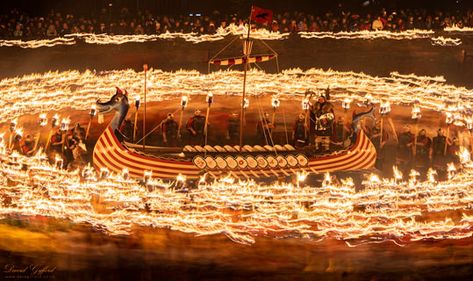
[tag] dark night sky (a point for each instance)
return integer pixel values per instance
(228, 6)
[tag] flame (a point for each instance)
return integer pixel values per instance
(301, 176)
(346, 103)
(465, 156)
(243, 209)
(181, 178)
(384, 107)
(232, 29)
(415, 113)
(385, 209)
(445, 41)
(431, 173)
(19, 132)
(52, 89)
(397, 173)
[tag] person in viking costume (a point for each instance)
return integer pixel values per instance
(299, 134)
(169, 131)
(195, 126)
(324, 127)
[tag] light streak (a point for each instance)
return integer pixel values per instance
(442, 41)
(232, 29)
(52, 90)
(384, 210)
(370, 35)
(455, 28)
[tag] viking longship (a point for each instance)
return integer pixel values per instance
(248, 162)
(241, 161)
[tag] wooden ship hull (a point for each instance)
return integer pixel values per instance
(109, 153)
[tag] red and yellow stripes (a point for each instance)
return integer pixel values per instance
(241, 60)
(111, 154)
(362, 155)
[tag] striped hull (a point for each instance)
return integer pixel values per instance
(109, 153)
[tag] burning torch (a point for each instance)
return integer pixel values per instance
(384, 109)
(346, 103)
(209, 99)
(12, 128)
(137, 107)
(416, 115)
(18, 136)
(43, 121)
(54, 123)
(469, 126)
(184, 101)
(64, 127)
(275, 103)
(92, 113)
(305, 107)
(449, 119)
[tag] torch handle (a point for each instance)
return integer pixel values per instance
(206, 122)
(135, 125)
(414, 149)
(180, 123)
(446, 140)
(63, 141)
(48, 140)
(10, 141)
(88, 128)
(381, 131)
(38, 135)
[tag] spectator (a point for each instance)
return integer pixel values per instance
(51, 32)
(18, 30)
(377, 24)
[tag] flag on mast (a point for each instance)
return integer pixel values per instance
(261, 15)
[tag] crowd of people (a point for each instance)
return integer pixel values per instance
(318, 130)
(68, 147)
(16, 24)
(316, 126)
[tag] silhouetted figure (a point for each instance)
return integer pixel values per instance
(233, 129)
(196, 125)
(404, 150)
(299, 134)
(423, 147)
(170, 128)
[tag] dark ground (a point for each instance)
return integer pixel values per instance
(80, 253)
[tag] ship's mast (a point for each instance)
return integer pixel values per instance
(246, 54)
